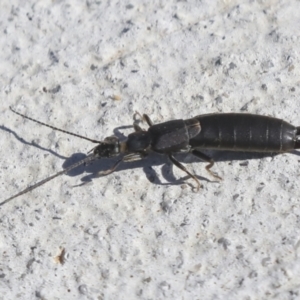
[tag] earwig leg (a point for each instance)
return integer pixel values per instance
(183, 168)
(137, 127)
(143, 117)
(111, 170)
(126, 158)
(207, 159)
(137, 113)
(134, 156)
(147, 119)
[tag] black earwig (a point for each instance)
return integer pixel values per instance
(223, 131)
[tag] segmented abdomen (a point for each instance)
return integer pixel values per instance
(244, 132)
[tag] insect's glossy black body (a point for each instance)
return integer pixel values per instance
(228, 131)
(245, 132)
(224, 131)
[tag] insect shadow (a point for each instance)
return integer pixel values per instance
(23, 141)
(155, 159)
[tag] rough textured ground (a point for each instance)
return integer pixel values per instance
(141, 233)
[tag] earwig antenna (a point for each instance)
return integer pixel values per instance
(36, 185)
(54, 128)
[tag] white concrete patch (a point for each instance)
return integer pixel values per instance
(141, 233)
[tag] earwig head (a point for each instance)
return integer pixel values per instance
(109, 147)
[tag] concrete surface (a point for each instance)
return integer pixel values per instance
(141, 232)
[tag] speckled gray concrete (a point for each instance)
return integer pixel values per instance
(141, 233)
